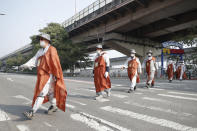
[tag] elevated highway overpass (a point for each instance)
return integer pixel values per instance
(25, 50)
(125, 24)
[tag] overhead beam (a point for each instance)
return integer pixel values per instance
(165, 24)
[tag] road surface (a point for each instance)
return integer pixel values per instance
(167, 107)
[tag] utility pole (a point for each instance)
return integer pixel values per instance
(75, 6)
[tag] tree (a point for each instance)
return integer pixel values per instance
(1, 63)
(15, 61)
(70, 54)
(10, 62)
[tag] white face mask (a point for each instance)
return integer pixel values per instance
(170, 61)
(149, 55)
(42, 43)
(98, 52)
(132, 55)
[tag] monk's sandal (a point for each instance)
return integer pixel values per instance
(130, 90)
(29, 114)
(51, 110)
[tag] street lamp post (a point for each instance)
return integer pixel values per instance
(75, 6)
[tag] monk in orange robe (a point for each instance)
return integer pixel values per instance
(133, 70)
(50, 83)
(181, 71)
(151, 69)
(101, 73)
(170, 70)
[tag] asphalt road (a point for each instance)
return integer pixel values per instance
(167, 107)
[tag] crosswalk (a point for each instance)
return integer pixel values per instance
(149, 119)
(97, 123)
(172, 125)
(160, 108)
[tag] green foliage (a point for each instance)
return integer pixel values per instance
(15, 61)
(70, 54)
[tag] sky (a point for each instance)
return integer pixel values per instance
(25, 17)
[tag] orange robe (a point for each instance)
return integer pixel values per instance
(132, 68)
(178, 71)
(101, 83)
(148, 70)
(170, 71)
(48, 64)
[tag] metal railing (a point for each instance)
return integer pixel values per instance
(91, 11)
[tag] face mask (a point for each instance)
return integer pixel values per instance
(149, 55)
(170, 61)
(42, 43)
(132, 56)
(98, 52)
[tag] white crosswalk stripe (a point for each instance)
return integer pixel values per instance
(97, 123)
(157, 89)
(181, 93)
(10, 79)
(179, 97)
(155, 99)
(23, 128)
(112, 94)
(149, 119)
(119, 95)
(170, 111)
(70, 106)
(28, 101)
(77, 102)
(3, 115)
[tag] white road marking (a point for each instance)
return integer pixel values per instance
(97, 123)
(154, 99)
(10, 79)
(80, 81)
(89, 90)
(90, 122)
(178, 97)
(149, 119)
(23, 128)
(29, 101)
(181, 93)
(77, 102)
(103, 100)
(117, 85)
(171, 84)
(156, 89)
(85, 90)
(159, 109)
(47, 124)
(70, 106)
(3, 116)
(138, 93)
(145, 90)
(75, 93)
(119, 95)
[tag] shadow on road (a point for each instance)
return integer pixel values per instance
(17, 110)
